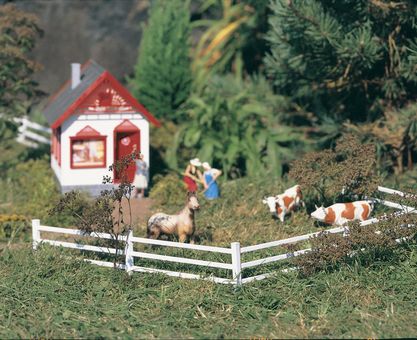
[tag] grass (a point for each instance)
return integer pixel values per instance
(49, 294)
(240, 215)
(46, 294)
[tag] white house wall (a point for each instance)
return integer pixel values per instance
(56, 168)
(105, 124)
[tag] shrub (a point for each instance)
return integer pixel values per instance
(13, 226)
(375, 241)
(31, 189)
(342, 173)
(105, 213)
(238, 125)
(168, 189)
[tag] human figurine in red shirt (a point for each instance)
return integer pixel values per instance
(192, 175)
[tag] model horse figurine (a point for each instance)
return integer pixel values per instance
(181, 224)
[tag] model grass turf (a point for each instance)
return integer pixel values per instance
(50, 294)
(46, 294)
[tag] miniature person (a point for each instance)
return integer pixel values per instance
(192, 175)
(210, 175)
(141, 175)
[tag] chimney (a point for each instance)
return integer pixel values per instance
(75, 75)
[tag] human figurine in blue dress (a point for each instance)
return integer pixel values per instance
(211, 189)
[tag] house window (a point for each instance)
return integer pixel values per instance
(88, 149)
(88, 153)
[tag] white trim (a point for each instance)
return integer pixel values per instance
(111, 116)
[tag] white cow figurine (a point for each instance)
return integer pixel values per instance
(342, 213)
(282, 204)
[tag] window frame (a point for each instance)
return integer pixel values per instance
(88, 138)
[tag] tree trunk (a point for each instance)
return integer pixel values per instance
(400, 159)
(410, 157)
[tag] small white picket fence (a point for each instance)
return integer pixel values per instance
(30, 133)
(236, 266)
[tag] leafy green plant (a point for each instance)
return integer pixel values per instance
(233, 35)
(239, 126)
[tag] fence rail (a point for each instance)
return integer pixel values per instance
(29, 133)
(235, 266)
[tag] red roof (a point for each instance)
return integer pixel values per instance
(67, 101)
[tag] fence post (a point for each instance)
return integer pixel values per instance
(36, 234)
(128, 252)
(236, 265)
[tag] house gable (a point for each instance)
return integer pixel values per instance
(65, 97)
(88, 131)
(101, 94)
(126, 125)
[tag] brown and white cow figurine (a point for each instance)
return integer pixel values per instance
(282, 204)
(342, 213)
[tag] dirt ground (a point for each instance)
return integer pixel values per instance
(141, 211)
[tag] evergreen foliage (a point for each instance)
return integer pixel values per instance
(18, 33)
(162, 73)
(395, 137)
(346, 59)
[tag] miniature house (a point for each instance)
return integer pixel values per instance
(95, 121)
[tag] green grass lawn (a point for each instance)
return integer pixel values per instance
(46, 294)
(49, 294)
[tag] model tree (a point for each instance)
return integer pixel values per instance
(346, 59)
(18, 32)
(162, 73)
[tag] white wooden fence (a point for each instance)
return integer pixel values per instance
(29, 133)
(130, 254)
(236, 266)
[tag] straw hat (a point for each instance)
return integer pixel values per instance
(206, 166)
(195, 162)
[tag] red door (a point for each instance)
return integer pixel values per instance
(126, 135)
